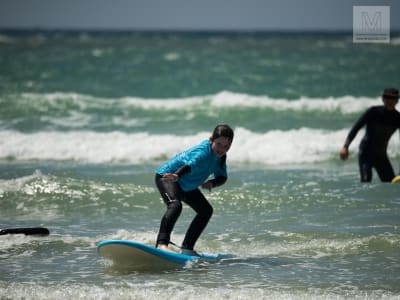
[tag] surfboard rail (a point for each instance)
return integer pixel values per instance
(143, 256)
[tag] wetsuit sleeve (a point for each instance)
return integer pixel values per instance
(218, 181)
(185, 169)
(220, 174)
(356, 127)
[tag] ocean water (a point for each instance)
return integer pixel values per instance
(86, 118)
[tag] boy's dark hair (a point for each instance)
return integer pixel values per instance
(390, 93)
(222, 130)
(225, 131)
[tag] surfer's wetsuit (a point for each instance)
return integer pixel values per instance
(380, 126)
(193, 167)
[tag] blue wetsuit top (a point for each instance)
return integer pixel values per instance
(202, 162)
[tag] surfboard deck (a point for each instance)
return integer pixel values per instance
(131, 254)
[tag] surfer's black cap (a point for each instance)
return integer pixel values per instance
(391, 93)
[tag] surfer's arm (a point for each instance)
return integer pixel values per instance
(220, 176)
(185, 169)
(344, 152)
(212, 183)
(356, 128)
(220, 180)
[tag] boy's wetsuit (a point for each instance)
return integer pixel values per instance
(193, 167)
(380, 126)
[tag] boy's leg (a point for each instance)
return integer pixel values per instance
(170, 192)
(385, 170)
(365, 168)
(196, 200)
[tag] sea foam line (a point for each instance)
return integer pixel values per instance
(275, 147)
(345, 104)
(224, 99)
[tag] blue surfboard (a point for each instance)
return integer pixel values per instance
(136, 255)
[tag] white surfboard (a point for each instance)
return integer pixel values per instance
(140, 256)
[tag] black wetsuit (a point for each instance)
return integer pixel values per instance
(193, 167)
(173, 195)
(380, 125)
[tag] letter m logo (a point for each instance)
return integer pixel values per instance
(371, 23)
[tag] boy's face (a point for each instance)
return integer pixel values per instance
(390, 103)
(220, 145)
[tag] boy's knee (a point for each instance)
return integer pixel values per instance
(174, 209)
(208, 211)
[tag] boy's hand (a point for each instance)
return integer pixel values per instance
(207, 185)
(171, 177)
(344, 153)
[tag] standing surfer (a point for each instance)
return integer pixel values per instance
(381, 122)
(178, 181)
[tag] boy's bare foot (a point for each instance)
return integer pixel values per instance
(190, 252)
(165, 248)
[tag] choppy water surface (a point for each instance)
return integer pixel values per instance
(86, 119)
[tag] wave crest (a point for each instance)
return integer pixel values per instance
(275, 147)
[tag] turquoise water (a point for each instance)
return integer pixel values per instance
(86, 118)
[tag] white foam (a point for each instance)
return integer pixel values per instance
(75, 119)
(295, 146)
(82, 101)
(5, 39)
(120, 288)
(395, 41)
(227, 99)
(345, 105)
(93, 147)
